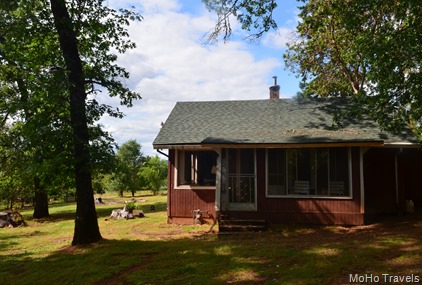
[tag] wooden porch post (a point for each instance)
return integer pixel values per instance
(362, 179)
(218, 182)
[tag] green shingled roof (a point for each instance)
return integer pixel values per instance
(284, 121)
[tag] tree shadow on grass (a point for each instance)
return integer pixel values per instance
(288, 254)
(131, 262)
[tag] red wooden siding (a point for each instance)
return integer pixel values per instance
(185, 201)
(381, 195)
(182, 202)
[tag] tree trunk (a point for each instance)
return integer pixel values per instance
(40, 200)
(86, 223)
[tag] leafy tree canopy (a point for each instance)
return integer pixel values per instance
(130, 161)
(366, 49)
(56, 58)
(369, 50)
(255, 17)
(154, 173)
(34, 102)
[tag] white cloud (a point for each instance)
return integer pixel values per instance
(170, 65)
(278, 39)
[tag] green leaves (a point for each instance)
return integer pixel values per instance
(34, 96)
(130, 161)
(255, 16)
(154, 173)
(363, 48)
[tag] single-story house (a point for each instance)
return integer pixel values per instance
(285, 161)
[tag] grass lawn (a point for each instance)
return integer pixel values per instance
(150, 251)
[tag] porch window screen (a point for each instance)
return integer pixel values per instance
(308, 172)
(196, 168)
(241, 176)
(276, 172)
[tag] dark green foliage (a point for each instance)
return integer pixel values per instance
(47, 71)
(130, 161)
(154, 173)
(370, 50)
(366, 49)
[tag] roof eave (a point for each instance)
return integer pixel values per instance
(296, 145)
(215, 145)
(180, 146)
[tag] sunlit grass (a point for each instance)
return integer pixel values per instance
(223, 250)
(150, 251)
(241, 274)
(324, 251)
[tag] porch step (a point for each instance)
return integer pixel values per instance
(236, 226)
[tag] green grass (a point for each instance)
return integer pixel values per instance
(150, 251)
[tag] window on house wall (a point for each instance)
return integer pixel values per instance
(308, 172)
(196, 168)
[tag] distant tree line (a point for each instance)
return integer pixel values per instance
(133, 172)
(120, 171)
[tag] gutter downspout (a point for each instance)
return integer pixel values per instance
(163, 153)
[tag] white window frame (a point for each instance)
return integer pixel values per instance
(178, 186)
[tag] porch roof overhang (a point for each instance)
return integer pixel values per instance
(209, 146)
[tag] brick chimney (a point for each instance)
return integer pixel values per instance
(275, 90)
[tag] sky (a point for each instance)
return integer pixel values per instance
(171, 64)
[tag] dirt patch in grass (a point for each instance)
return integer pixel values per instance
(121, 276)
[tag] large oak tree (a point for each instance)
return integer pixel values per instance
(86, 224)
(64, 52)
